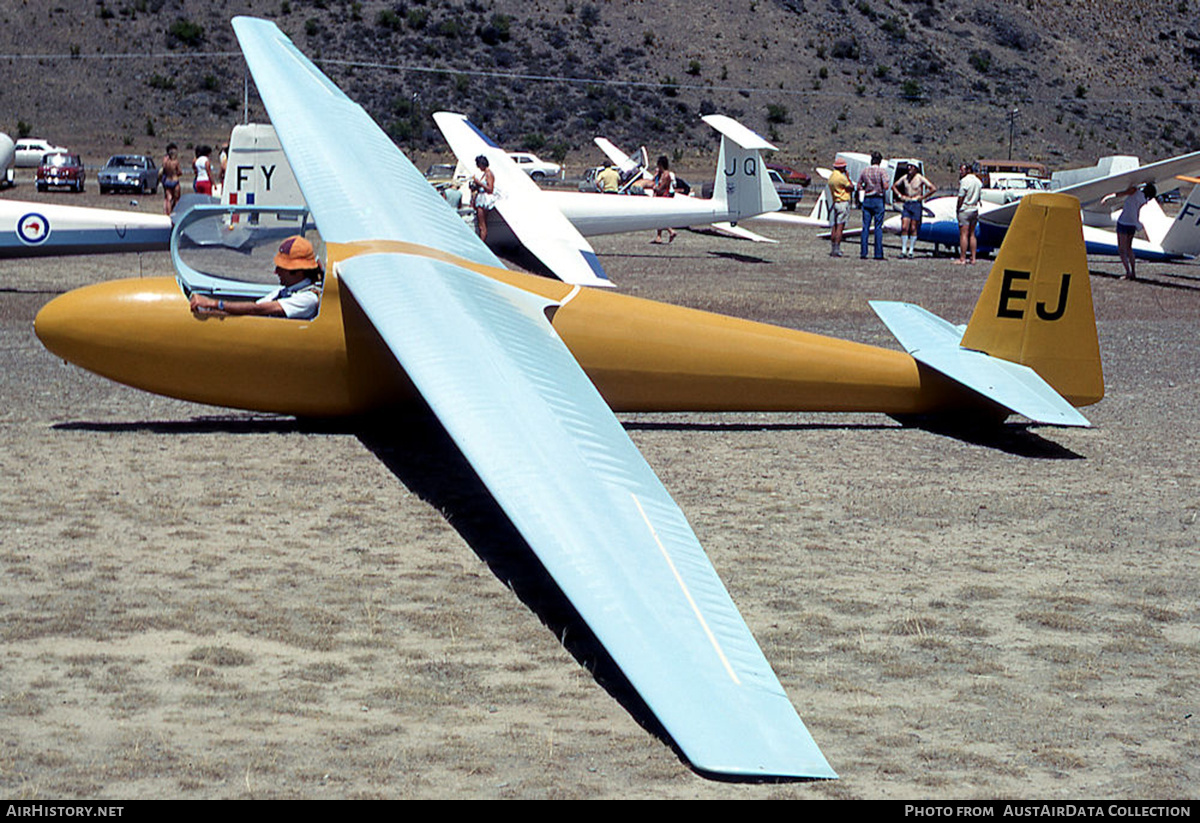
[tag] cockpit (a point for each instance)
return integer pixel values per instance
(229, 258)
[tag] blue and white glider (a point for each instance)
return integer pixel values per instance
(506, 388)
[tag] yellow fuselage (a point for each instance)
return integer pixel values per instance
(642, 355)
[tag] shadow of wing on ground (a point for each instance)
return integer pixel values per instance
(1012, 438)
(218, 424)
(718, 426)
(419, 452)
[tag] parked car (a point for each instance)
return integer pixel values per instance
(440, 171)
(790, 175)
(789, 193)
(31, 150)
(535, 167)
(134, 172)
(60, 168)
(588, 182)
(7, 156)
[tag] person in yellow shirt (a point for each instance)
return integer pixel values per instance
(841, 189)
(609, 179)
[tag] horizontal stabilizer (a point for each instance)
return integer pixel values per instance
(741, 233)
(735, 131)
(935, 342)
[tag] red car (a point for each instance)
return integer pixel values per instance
(790, 175)
(61, 169)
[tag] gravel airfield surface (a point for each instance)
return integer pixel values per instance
(204, 603)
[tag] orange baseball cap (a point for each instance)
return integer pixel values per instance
(296, 253)
(839, 163)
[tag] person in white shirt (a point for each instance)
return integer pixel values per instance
(970, 194)
(1130, 221)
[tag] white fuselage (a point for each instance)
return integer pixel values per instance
(595, 214)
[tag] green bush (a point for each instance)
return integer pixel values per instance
(186, 32)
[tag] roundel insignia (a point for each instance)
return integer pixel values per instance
(33, 228)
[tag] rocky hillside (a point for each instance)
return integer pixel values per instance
(937, 79)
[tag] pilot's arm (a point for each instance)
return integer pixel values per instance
(206, 305)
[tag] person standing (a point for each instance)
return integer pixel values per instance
(483, 195)
(911, 190)
(840, 192)
(171, 173)
(872, 185)
(1128, 223)
(202, 167)
(970, 194)
(664, 186)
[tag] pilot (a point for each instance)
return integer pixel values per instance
(298, 295)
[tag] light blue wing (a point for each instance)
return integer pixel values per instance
(358, 185)
(541, 438)
(563, 469)
(541, 228)
(934, 342)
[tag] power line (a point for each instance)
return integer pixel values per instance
(598, 81)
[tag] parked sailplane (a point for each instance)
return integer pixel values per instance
(553, 225)
(524, 373)
(256, 172)
(634, 171)
(1166, 238)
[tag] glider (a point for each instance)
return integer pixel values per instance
(524, 372)
(553, 225)
(1167, 239)
(257, 173)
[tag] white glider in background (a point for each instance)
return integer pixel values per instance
(256, 174)
(537, 225)
(535, 216)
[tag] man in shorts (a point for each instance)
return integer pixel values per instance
(970, 194)
(911, 190)
(841, 190)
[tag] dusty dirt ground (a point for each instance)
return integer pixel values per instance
(200, 603)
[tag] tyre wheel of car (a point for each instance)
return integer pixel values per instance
(537, 176)
(41, 187)
(790, 207)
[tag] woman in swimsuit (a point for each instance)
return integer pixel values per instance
(170, 174)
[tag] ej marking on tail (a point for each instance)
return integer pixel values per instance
(1009, 293)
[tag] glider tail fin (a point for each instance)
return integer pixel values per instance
(742, 186)
(1036, 307)
(1184, 235)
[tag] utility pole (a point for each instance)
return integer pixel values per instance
(1012, 123)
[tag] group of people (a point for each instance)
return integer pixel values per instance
(911, 191)
(207, 174)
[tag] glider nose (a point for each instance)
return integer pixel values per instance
(104, 324)
(892, 225)
(61, 325)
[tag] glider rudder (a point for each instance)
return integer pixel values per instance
(1036, 307)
